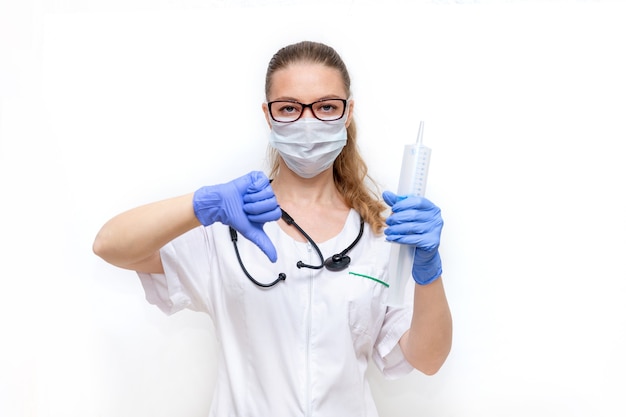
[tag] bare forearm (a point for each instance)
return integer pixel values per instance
(427, 343)
(135, 235)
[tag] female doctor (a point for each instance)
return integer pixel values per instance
(297, 326)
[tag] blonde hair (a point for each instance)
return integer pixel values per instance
(349, 170)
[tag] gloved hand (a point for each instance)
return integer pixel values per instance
(416, 221)
(245, 204)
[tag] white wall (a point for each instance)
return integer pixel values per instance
(109, 104)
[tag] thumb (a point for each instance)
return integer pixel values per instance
(390, 198)
(257, 236)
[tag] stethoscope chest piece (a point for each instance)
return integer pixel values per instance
(337, 262)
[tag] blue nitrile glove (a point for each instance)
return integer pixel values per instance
(416, 221)
(245, 204)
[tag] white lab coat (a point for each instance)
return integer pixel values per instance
(302, 347)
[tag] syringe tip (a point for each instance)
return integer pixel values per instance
(420, 133)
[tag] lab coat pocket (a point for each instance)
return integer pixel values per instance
(366, 308)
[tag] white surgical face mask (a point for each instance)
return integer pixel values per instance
(309, 146)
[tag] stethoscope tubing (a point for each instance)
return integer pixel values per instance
(335, 263)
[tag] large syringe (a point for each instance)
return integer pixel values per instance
(413, 176)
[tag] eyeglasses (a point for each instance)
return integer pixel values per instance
(289, 110)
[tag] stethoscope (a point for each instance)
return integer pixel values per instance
(335, 263)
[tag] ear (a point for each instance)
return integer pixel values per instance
(350, 110)
(266, 111)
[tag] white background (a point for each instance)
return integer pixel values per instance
(106, 105)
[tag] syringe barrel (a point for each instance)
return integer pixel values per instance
(413, 177)
(414, 171)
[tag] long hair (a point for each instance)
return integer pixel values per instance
(349, 169)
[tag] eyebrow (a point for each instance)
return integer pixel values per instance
(326, 97)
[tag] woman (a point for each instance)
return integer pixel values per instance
(297, 326)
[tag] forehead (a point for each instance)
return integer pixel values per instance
(306, 82)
